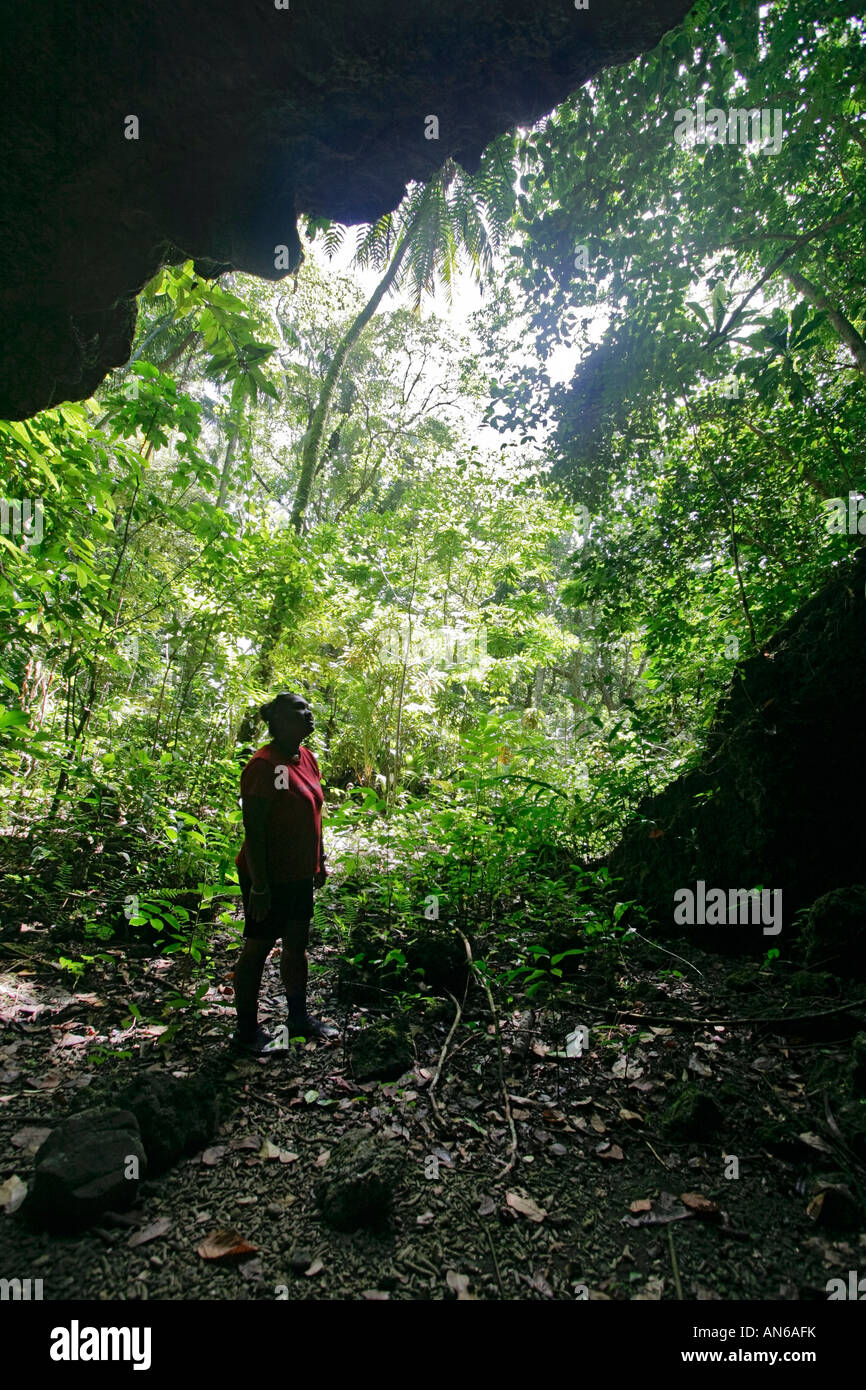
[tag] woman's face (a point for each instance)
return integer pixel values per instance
(292, 721)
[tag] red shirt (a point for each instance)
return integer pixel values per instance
(294, 826)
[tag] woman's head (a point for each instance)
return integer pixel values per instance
(289, 718)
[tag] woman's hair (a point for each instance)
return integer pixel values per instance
(267, 711)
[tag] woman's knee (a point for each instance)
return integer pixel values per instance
(256, 952)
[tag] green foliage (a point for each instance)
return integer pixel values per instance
(512, 599)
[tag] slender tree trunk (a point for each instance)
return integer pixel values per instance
(310, 454)
(843, 326)
(392, 782)
(234, 431)
(312, 445)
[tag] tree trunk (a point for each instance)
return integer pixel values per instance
(234, 431)
(844, 328)
(312, 444)
(310, 454)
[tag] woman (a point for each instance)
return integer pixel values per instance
(279, 864)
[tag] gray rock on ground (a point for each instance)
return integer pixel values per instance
(83, 1169)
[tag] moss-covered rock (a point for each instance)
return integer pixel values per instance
(360, 1182)
(441, 956)
(380, 1053)
(778, 1136)
(176, 1116)
(742, 979)
(834, 931)
(692, 1114)
(812, 984)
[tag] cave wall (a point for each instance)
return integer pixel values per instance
(774, 799)
(248, 115)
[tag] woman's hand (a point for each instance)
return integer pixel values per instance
(260, 904)
(320, 878)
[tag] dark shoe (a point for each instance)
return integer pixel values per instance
(311, 1028)
(252, 1047)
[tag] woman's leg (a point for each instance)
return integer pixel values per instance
(247, 980)
(294, 968)
(293, 973)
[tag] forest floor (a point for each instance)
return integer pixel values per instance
(600, 1200)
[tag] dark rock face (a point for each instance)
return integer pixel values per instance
(379, 1053)
(83, 1169)
(442, 957)
(176, 1116)
(246, 116)
(693, 1115)
(834, 932)
(360, 1182)
(771, 802)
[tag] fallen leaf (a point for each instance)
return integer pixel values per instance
(698, 1067)
(213, 1156)
(315, 1268)
(626, 1066)
(287, 1157)
(30, 1138)
(275, 1208)
(73, 1040)
(425, 1218)
(631, 1117)
(269, 1150)
(652, 1292)
(598, 1123)
(486, 1205)
(47, 1081)
(375, 1295)
(764, 1063)
(160, 1227)
(460, 1284)
(814, 1141)
(540, 1284)
(610, 1151)
(225, 1245)
(525, 1206)
(12, 1194)
(641, 1204)
(249, 1141)
(323, 1158)
(696, 1202)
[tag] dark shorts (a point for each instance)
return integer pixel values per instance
(290, 914)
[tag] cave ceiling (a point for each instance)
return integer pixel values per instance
(246, 116)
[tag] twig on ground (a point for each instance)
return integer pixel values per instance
(495, 1016)
(489, 1242)
(674, 1265)
(438, 1117)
